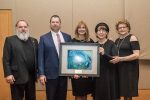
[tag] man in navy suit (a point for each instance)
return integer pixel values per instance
(48, 61)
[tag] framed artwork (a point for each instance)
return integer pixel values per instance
(79, 59)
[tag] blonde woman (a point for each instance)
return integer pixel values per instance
(82, 85)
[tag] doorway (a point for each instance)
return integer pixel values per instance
(5, 30)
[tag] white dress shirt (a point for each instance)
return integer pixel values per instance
(56, 41)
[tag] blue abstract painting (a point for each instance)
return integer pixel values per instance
(80, 59)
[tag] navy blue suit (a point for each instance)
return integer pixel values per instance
(48, 63)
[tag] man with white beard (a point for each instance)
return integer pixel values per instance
(20, 62)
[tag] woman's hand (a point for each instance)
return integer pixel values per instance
(115, 60)
(76, 76)
(101, 50)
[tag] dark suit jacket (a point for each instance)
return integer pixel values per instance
(14, 59)
(48, 61)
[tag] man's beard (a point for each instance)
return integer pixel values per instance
(23, 36)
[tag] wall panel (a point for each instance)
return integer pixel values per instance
(38, 13)
(138, 13)
(95, 11)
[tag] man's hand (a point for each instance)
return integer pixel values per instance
(10, 79)
(42, 79)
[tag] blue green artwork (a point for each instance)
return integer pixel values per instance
(80, 59)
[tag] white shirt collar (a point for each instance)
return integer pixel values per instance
(54, 33)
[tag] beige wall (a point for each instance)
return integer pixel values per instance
(138, 13)
(38, 12)
(144, 79)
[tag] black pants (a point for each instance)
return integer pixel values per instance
(56, 89)
(27, 90)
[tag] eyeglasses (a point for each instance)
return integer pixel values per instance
(103, 30)
(122, 27)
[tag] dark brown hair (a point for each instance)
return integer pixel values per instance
(105, 27)
(55, 16)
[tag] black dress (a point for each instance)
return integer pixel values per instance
(82, 86)
(128, 71)
(105, 84)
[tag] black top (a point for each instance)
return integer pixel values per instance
(128, 71)
(29, 54)
(105, 84)
(82, 86)
(83, 41)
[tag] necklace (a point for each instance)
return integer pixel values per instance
(102, 43)
(119, 43)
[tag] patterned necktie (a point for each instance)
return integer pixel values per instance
(58, 40)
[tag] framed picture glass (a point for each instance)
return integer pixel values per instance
(79, 59)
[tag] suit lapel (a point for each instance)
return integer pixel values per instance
(51, 41)
(65, 37)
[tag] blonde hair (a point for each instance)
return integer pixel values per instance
(86, 28)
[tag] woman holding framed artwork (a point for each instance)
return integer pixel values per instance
(82, 85)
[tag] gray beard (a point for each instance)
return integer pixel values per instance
(23, 36)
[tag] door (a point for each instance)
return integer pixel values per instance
(5, 30)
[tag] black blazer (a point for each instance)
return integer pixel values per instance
(14, 59)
